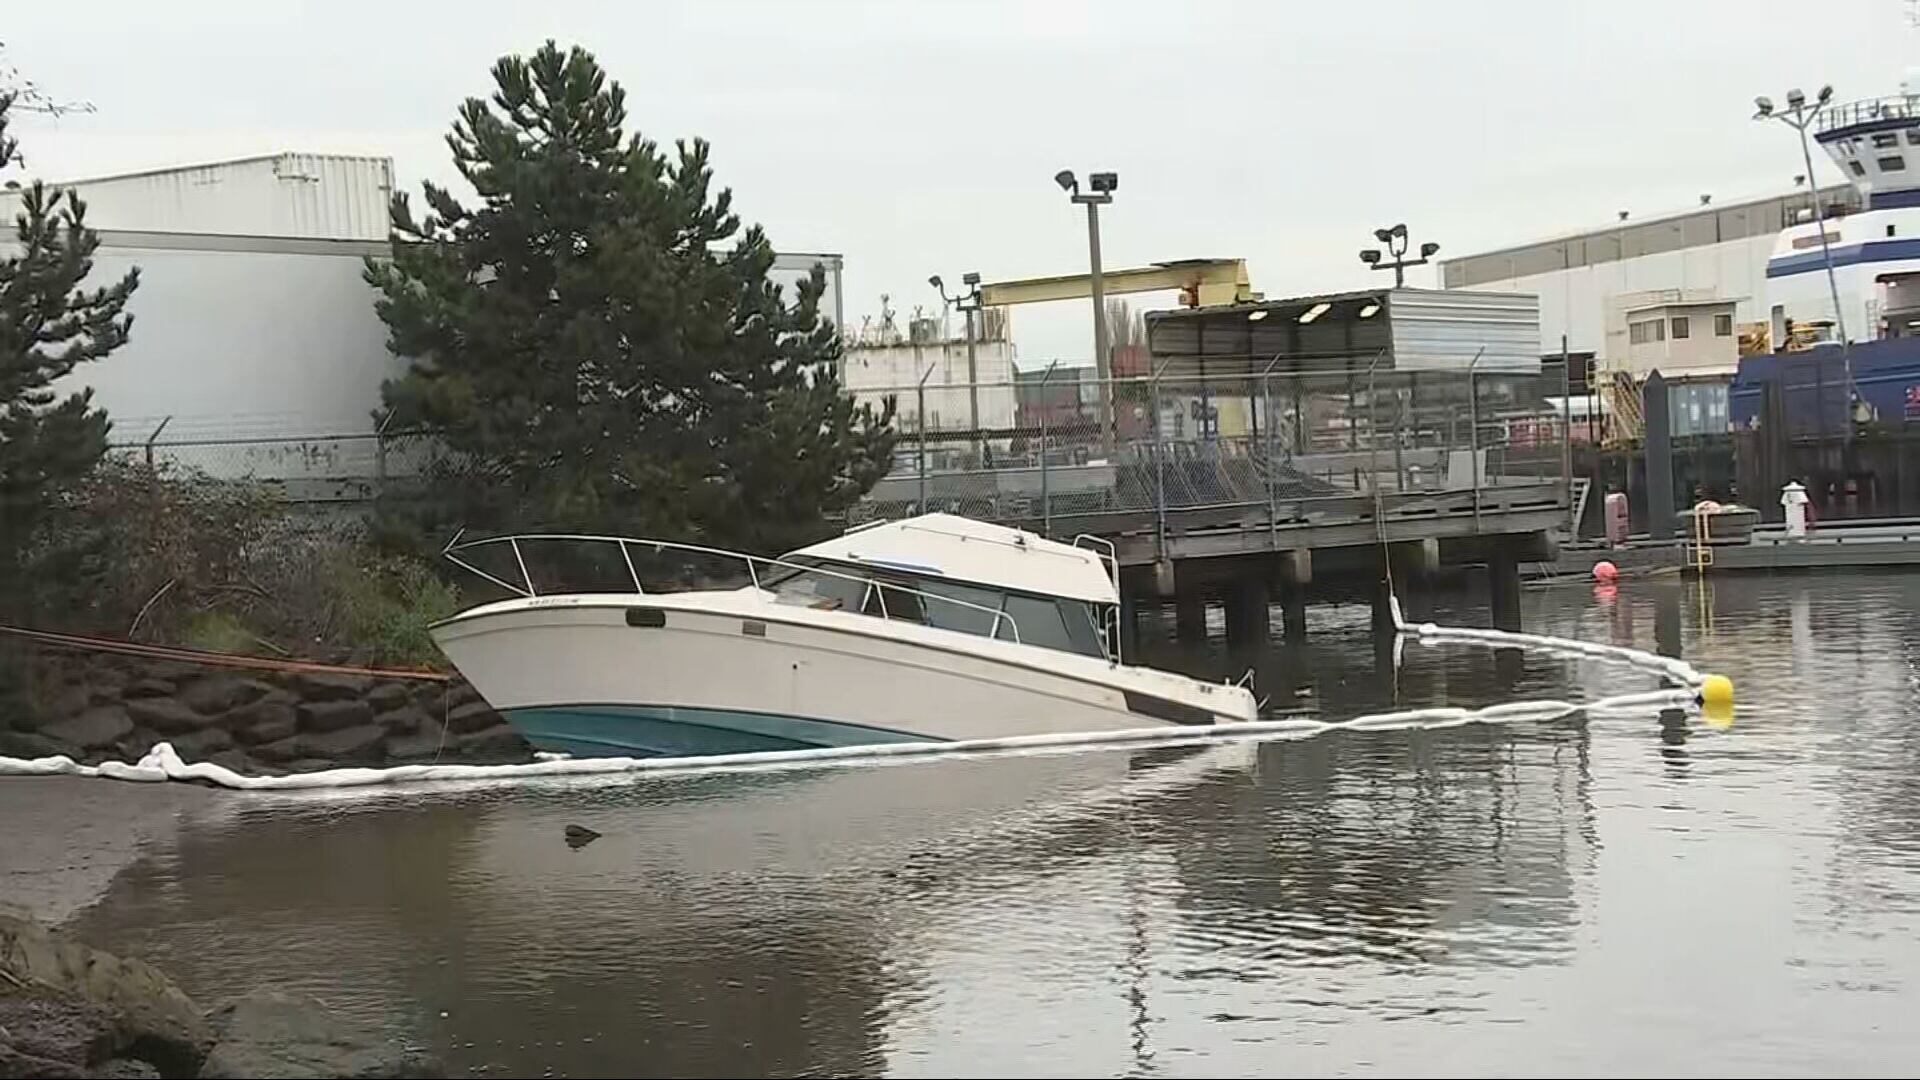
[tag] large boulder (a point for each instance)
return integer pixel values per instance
(320, 716)
(30, 745)
(405, 719)
(168, 716)
(279, 751)
(239, 761)
(417, 749)
(100, 726)
(265, 722)
(68, 701)
(221, 693)
(329, 686)
(149, 686)
(197, 745)
(133, 747)
(105, 685)
(68, 1009)
(360, 745)
(275, 1034)
(50, 1035)
(494, 746)
(389, 695)
(473, 716)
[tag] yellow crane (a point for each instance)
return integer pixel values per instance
(1200, 282)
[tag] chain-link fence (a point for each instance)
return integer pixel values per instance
(1288, 443)
(348, 467)
(1057, 449)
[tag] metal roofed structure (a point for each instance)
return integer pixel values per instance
(1388, 330)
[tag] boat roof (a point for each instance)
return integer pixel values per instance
(977, 552)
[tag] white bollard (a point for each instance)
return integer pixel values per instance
(1793, 499)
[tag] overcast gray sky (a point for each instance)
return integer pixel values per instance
(921, 137)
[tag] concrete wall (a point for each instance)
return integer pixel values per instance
(241, 338)
(873, 371)
(1574, 301)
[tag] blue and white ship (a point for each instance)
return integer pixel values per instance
(1875, 251)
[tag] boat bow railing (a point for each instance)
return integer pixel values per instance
(874, 590)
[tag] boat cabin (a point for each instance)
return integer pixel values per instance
(959, 574)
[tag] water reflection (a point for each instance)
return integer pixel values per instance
(1583, 895)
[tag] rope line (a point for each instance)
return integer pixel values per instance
(84, 643)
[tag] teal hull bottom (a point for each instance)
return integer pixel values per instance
(676, 731)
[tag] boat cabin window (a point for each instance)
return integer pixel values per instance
(896, 603)
(791, 585)
(1054, 623)
(1047, 621)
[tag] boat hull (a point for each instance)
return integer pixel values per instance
(598, 679)
(683, 731)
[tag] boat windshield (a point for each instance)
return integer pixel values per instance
(1047, 621)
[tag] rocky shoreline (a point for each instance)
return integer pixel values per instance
(102, 707)
(68, 1010)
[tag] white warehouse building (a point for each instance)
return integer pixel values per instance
(1768, 258)
(252, 320)
(1710, 253)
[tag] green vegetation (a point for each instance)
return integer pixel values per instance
(597, 339)
(388, 606)
(594, 344)
(50, 323)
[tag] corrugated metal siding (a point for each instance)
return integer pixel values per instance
(1435, 330)
(313, 196)
(1715, 224)
(342, 198)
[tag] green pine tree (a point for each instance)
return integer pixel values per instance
(49, 325)
(596, 341)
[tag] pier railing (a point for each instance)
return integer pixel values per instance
(1281, 446)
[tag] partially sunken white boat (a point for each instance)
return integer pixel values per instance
(936, 628)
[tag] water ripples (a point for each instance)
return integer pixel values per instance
(1591, 894)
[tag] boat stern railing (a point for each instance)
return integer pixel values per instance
(1109, 556)
(874, 589)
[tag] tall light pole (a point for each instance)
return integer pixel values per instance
(1798, 115)
(1395, 239)
(1104, 184)
(968, 302)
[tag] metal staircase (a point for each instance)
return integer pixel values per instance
(1626, 418)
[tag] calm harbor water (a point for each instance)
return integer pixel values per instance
(1596, 897)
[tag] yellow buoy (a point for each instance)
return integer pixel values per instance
(1716, 700)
